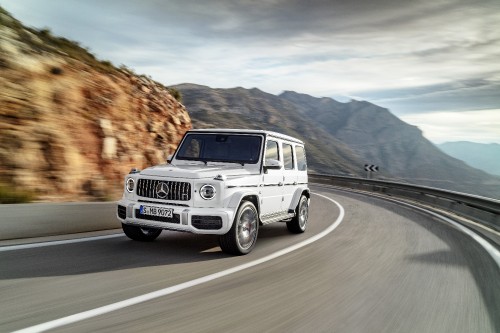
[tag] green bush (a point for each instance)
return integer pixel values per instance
(176, 94)
(9, 195)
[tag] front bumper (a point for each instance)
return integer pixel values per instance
(210, 221)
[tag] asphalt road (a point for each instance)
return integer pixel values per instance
(385, 268)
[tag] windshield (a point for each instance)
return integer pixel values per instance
(235, 148)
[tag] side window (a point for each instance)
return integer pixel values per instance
(301, 158)
(272, 151)
(287, 156)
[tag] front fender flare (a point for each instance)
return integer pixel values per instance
(235, 200)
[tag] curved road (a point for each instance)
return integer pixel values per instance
(385, 268)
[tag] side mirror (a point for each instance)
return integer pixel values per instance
(169, 158)
(272, 165)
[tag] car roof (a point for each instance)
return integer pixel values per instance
(248, 131)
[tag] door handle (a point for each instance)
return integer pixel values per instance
(280, 184)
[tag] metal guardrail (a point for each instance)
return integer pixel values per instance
(483, 210)
(20, 221)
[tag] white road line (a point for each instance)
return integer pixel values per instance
(61, 242)
(492, 251)
(170, 290)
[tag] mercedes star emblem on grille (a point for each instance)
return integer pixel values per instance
(162, 190)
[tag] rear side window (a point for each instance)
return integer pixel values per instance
(288, 156)
(301, 158)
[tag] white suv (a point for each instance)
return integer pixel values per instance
(221, 182)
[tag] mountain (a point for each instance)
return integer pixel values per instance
(481, 156)
(255, 109)
(72, 126)
(340, 137)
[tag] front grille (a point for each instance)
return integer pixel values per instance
(180, 191)
(122, 212)
(206, 222)
(175, 219)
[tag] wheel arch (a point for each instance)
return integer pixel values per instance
(296, 197)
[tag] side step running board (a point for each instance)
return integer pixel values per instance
(276, 217)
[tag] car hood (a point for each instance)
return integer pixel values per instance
(196, 171)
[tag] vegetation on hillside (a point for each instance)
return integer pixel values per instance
(9, 195)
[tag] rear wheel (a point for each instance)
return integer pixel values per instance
(141, 234)
(242, 236)
(298, 224)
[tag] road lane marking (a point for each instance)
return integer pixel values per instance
(173, 289)
(61, 242)
(492, 251)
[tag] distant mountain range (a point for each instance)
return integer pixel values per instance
(340, 137)
(481, 156)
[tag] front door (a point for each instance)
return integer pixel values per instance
(272, 183)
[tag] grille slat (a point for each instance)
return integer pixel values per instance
(178, 191)
(149, 192)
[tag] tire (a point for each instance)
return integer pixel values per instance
(141, 234)
(298, 224)
(242, 236)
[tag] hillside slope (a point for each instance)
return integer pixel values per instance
(72, 126)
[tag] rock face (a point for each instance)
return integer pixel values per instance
(71, 131)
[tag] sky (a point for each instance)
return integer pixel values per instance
(433, 63)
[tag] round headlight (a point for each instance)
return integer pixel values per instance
(130, 184)
(207, 192)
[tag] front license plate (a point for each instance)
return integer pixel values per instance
(156, 211)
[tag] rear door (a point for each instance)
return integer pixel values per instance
(289, 174)
(300, 155)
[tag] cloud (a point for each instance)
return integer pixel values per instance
(481, 126)
(457, 96)
(412, 57)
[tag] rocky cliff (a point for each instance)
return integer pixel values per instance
(72, 126)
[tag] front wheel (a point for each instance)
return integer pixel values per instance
(298, 223)
(242, 236)
(141, 234)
